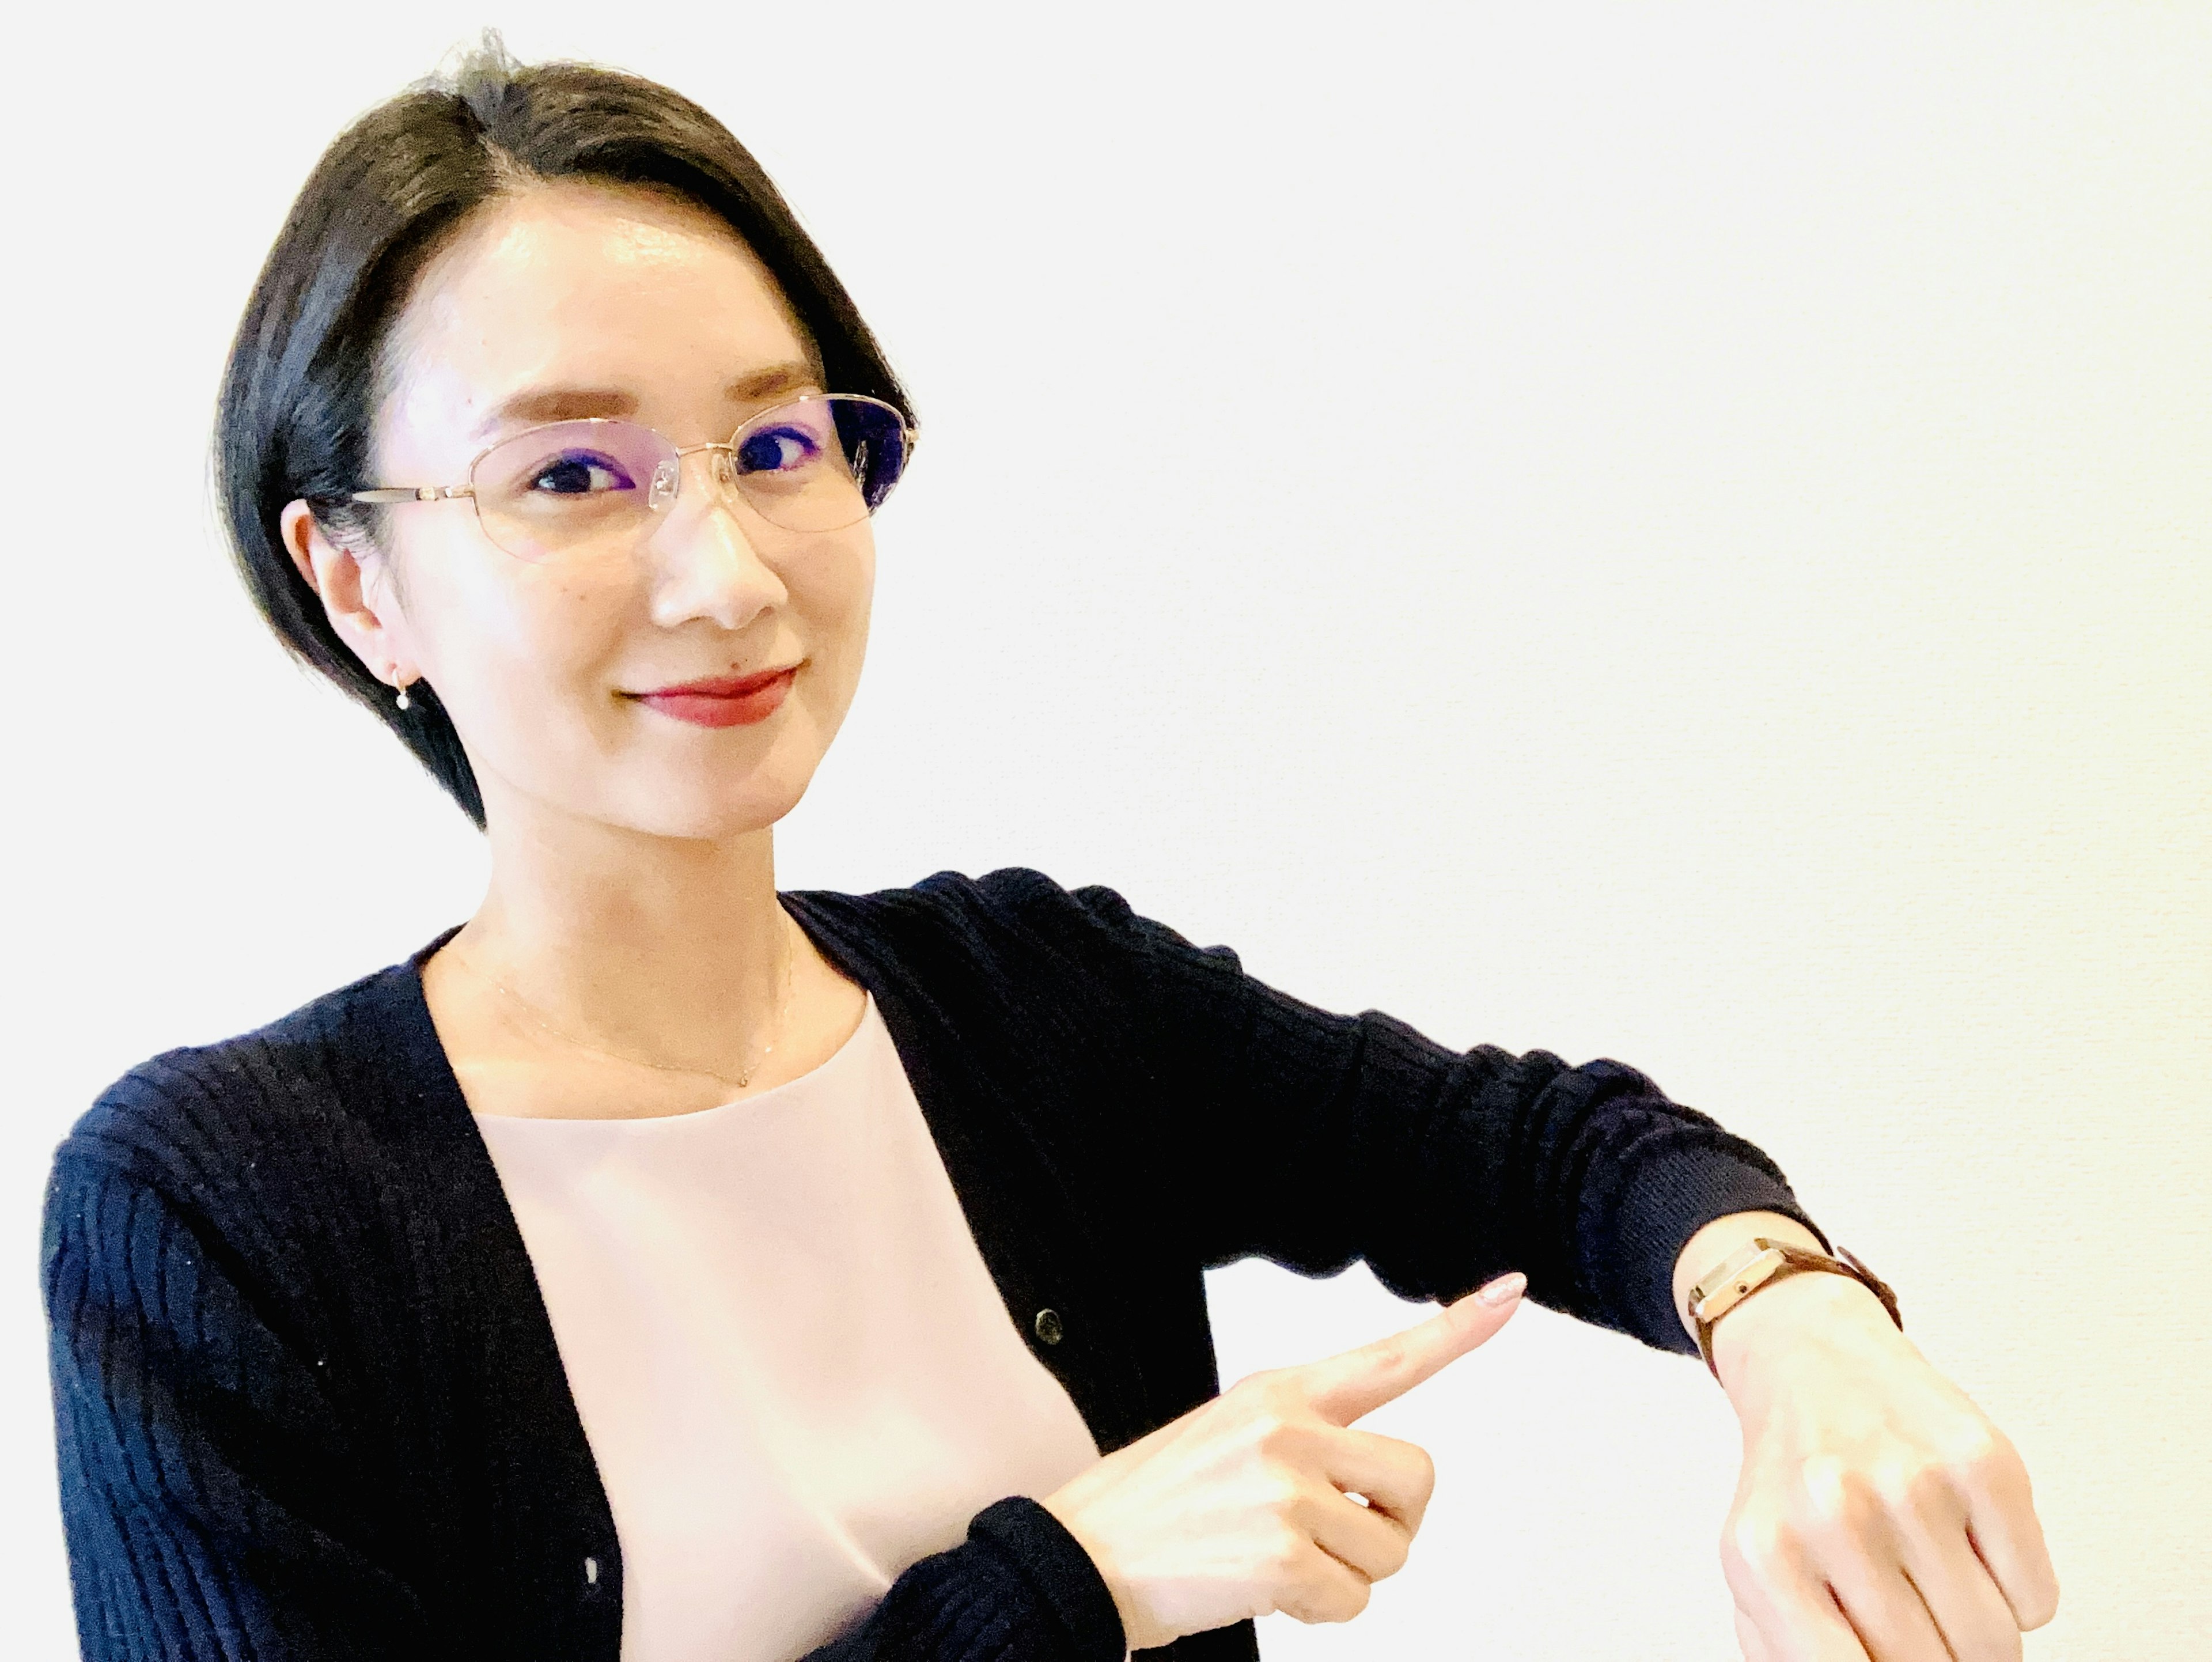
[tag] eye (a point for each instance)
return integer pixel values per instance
(778, 450)
(580, 473)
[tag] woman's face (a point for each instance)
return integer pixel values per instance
(571, 299)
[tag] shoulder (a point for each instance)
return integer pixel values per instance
(1010, 913)
(1015, 959)
(947, 900)
(201, 1126)
(1012, 936)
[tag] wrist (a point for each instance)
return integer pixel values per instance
(1713, 1244)
(1061, 1570)
(1135, 1632)
(1786, 1317)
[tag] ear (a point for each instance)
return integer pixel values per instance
(366, 614)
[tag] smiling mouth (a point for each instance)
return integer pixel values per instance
(723, 701)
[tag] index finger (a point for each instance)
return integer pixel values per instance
(1342, 1387)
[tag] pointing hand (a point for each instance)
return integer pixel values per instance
(1245, 1506)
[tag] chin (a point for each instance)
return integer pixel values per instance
(692, 808)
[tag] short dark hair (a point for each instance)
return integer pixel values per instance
(300, 389)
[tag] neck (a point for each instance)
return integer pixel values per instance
(654, 946)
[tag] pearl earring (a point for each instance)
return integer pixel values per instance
(402, 700)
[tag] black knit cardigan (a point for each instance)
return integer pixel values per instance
(307, 1397)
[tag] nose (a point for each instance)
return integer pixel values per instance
(707, 556)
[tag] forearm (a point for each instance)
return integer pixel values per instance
(1314, 1138)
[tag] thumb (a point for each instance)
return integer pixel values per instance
(1341, 1388)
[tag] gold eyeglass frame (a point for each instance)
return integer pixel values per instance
(668, 482)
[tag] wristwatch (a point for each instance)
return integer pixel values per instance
(1759, 1262)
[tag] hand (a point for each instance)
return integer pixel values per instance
(1881, 1516)
(1243, 1506)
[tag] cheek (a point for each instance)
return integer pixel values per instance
(510, 643)
(840, 588)
(836, 602)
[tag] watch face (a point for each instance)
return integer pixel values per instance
(1752, 1267)
(1718, 1275)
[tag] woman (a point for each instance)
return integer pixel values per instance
(658, 1265)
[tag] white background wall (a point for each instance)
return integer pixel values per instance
(1670, 532)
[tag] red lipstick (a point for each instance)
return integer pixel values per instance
(723, 701)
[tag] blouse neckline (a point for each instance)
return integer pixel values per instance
(814, 1079)
(435, 1076)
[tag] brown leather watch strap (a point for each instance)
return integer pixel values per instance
(1739, 1276)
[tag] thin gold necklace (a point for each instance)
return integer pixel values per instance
(740, 1083)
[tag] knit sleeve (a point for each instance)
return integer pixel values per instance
(206, 1494)
(1312, 1138)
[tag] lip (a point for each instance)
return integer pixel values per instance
(721, 687)
(723, 701)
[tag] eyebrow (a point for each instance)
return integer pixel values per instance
(543, 404)
(772, 382)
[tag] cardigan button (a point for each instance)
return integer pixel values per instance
(1048, 1326)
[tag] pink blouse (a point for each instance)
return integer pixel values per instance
(795, 1371)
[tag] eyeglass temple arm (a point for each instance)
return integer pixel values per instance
(411, 493)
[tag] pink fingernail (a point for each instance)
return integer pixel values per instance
(1506, 1289)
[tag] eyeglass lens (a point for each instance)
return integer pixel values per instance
(816, 464)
